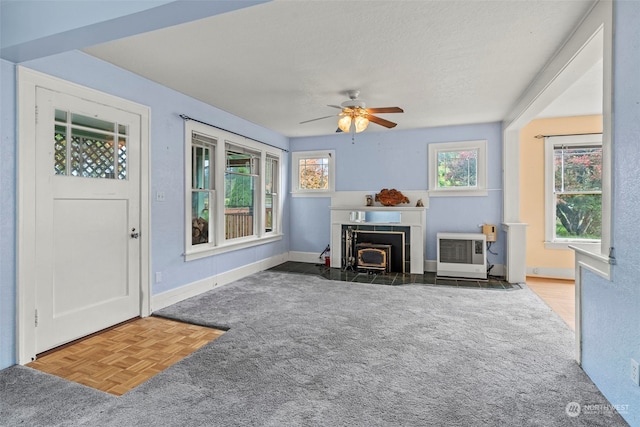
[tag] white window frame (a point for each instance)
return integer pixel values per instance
(481, 169)
(551, 242)
(218, 243)
(296, 156)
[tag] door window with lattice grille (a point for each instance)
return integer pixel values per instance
(89, 147)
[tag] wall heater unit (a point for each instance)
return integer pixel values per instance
(462, 255)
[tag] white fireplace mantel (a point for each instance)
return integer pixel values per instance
(413, 217)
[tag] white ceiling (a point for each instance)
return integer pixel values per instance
(282, 62)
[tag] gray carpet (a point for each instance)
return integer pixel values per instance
(305, 351)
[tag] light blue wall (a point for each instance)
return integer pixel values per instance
(611, 309)
(398, 159)
(7, 214)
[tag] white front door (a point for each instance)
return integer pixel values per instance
(87, 217)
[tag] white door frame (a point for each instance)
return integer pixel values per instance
(28, 80)
(552, 81)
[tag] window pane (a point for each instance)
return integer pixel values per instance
(314, 173)
(238, 204)
(268, 176)
(579, 216)
(198, 167)
(92, 155)
(271, 180)
(60, 150)
(122, 158)
(241, 163)
(578, 169)
(92, 122)
(207, 169)
(268, 207)
(199, 217)
(90, 152)
(61, 116)
(457, 168)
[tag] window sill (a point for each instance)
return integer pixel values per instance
(312, 194)
(229, 247)
(568, 245)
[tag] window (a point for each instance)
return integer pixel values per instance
(313, 173)
(233, 186)
(84, 147)
(202, 187)
(239, 192)
(458, 168)
(573, 188)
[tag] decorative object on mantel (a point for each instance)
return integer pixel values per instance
(391, 197)
(419, 204)
(369, 199)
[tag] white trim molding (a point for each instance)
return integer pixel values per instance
(308, 257)
(173, 296)
(552, 273)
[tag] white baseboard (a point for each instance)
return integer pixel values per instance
(189, 290)
(309, 257)
(173, 296)
(552, 273)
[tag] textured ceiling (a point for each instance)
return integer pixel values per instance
(282, 62)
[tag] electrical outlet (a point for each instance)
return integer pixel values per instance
(158, 276)
(160, 196)
(635, 372)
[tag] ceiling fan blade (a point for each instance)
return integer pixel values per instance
(335, 106)
(338, 130)
(381, 122)
(319, 118)
(385, 110)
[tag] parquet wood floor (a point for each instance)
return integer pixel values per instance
(123, 357)
(559, 294)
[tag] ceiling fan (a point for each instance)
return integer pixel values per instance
(354, 116)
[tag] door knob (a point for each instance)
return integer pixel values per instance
(134, 234)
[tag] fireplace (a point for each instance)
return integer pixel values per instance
(368, 249)
(381, 221)
(370, 257)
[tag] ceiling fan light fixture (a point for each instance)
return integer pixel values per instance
(361, 123)
(344, 123)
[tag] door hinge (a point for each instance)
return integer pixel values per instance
(36, 318)
(36, 114)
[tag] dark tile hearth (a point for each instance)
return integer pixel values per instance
(392, 279)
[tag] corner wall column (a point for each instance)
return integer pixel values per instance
(516, 270)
